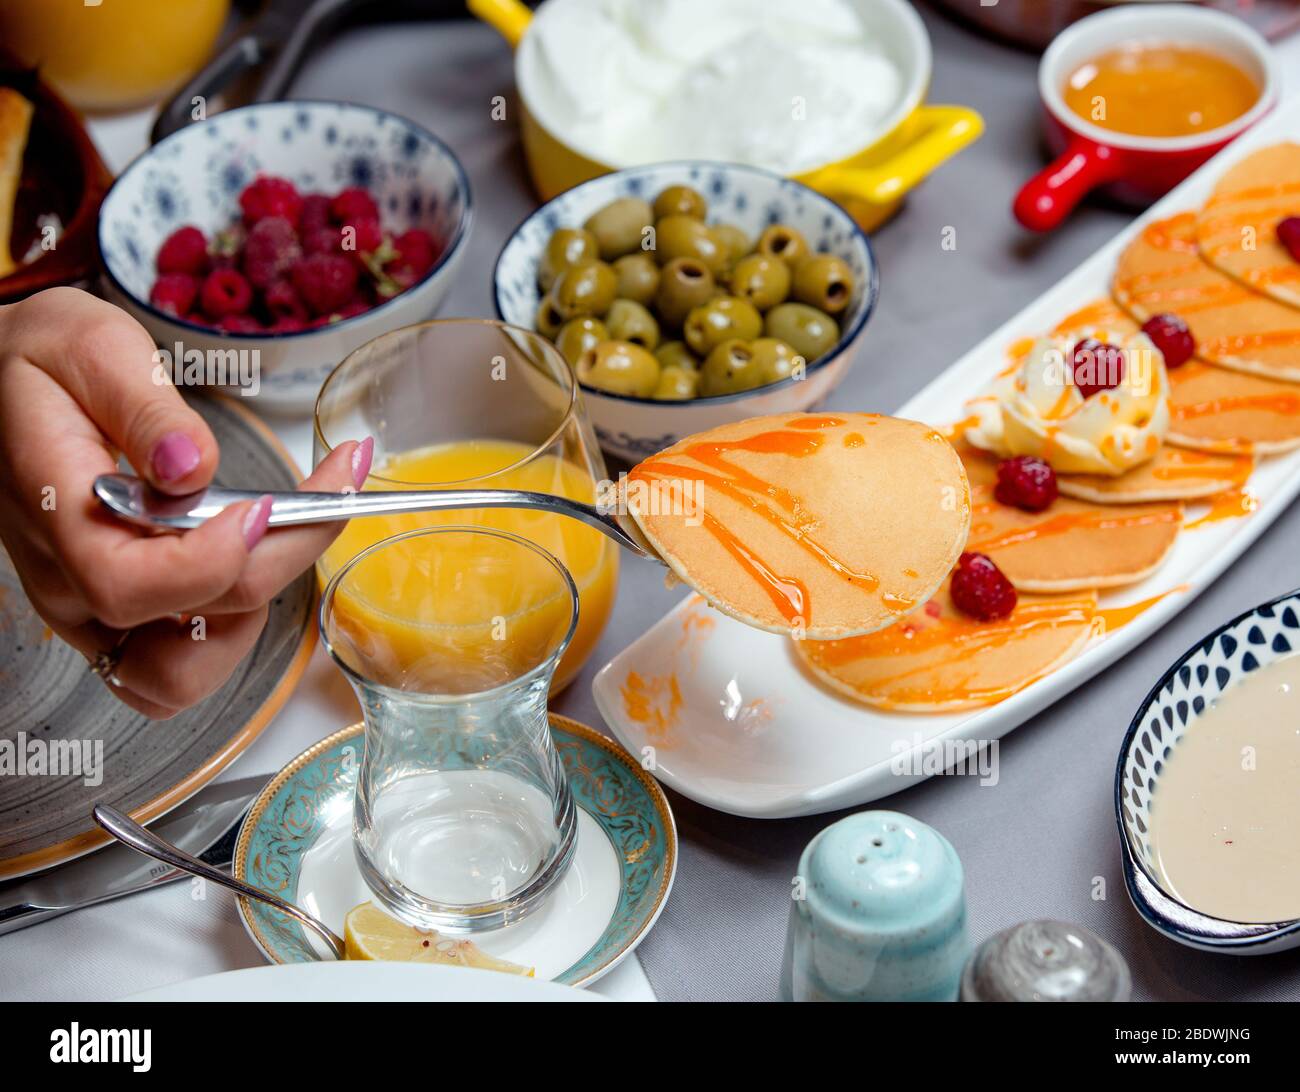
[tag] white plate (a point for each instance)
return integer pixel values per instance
(363, 982)
(755, 735)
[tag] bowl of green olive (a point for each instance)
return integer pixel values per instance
(686, 295)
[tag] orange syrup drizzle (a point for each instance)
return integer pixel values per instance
(1192, 464)
(654, 703)
(1230, 504)
(1108, 619)
(788, 594)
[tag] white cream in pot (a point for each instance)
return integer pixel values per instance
(782, 84)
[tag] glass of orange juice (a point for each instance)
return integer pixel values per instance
(463, 818)
(473, 403)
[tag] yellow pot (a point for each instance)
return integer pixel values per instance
(871, 183)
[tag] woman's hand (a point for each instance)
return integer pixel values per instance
(77, 386)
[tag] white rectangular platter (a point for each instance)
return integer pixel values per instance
(725, 715)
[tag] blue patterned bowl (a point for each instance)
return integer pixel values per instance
(195, 176)
(752, 199)
(1245, 644)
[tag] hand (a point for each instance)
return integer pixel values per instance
(77, 386)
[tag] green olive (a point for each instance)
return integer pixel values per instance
(548, 320)
(585, 288)
(734, 240)
(823, 281)
(638, 277)
(675, 354)
(684, 284)
(676, 384)
(563, 248)
(723, 319)
(578, 335)
(774, 359)
(620, 226)
(729, 368)
(620, 368)
(761, 279)
(686, 237)
(629, 321)
(783, 242)
(808, 331)
(680, 201)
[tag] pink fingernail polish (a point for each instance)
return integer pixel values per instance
(361, 461)
(256, 521)
(174, 456)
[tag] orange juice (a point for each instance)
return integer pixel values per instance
(452, 600)
(1160, 90)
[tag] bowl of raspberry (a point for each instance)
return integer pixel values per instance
(261, 246)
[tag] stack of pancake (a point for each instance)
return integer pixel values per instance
(1224, 272)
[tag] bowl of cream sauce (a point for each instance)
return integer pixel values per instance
(1207, 789)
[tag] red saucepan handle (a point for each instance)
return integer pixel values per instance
(1048, 197)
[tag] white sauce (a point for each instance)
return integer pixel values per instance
(782, 84)
(1225, 815)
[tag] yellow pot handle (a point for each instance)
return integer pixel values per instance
(509, 18)
(942, 131)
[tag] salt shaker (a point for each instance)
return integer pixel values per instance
(879, 914)
(1046, 961)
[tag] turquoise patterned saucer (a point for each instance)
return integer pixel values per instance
(297, 842)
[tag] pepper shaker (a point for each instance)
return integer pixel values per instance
(1046, 961)
(879, 914)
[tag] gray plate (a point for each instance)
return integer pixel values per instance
(148, 767)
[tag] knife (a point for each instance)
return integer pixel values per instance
(207, 826)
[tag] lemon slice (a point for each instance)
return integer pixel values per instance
(369, 933)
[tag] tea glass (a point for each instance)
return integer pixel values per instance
(463, 819)
(474, 403)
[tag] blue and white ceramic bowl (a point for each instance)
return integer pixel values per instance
(752, 199)
(1245, 644)
(194, 177)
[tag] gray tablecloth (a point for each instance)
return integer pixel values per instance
(1042, 842)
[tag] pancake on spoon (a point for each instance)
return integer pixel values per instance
(1071, 544)
(1162, 270)
(939, 660)
(822, 526)
(1213, 409)
(1236, 230)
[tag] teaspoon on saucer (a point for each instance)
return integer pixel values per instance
(129, 832)
(131, 499)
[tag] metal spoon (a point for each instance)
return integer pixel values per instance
(128, 831)
(131, 499)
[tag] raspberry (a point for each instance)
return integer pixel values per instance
(315, 212)
(282, 301)
(417, 249)
(1025, 482)
(353, 204)
(1288, 234)
(287, 324)
(268, 196)
(240, 324)
(225, 292)
(365, 237)
(355, 306)
(270, 251)
(185, 250)
(325, 282)
(1097, 366)
(174, 293)
(979, 589)
(1171, 336)
(323, 240)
